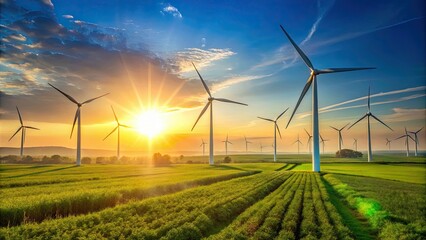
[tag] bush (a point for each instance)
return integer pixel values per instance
(27, 159)
(159, 159)
(86, 160)
(348, 153)
(227, 159)
(9, 159)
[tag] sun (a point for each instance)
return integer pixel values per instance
(150, 123)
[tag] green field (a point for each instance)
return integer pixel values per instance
(241, 200)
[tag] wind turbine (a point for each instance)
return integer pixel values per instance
(226, 145)
(309, 141)
(204, 145)
(247, 142)
(298, 144)
(118, 132)
(388, 142)
(23, 130)
(355, 144)
(275, 132)
(368, 115)
(406, 135)
(312, 80)
(323, 143)
(340, 138)
(210, 104)
(261, 147)
(416, 139)
(77, 116)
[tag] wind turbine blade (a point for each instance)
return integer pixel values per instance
(411, 138)
(400, 137)
(201, 114)
(229, 101)
(341, 137)
(87, 101)
(307, 132)
(20, 118)
(305, 89)
(15, 133)
(229, 142)
(357, 121)
(334, 70)
(115, 116)
(110, 133)
(202, 80)
(419, 130)
(32, 127)
(322, 139)
(278, 128)
(368, 101)
(122, 125)
(77, 113)
(344, 127)
(267, 119)
(301, 53)
(281, 114)
(66, 95)
(227, 137)
(334, 128)
(381, 122)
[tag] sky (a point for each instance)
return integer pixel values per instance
(140, 52)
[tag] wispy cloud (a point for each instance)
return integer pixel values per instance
(172, 10)
(68, 16)
(235, 80)
(323, 8)
(337, 106)
(405, 114)
(181, 61)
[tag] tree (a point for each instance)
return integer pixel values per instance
(27, 159)
(227, 159)
(86, 160)
(348, 153)
(55, 159)
(159, 159)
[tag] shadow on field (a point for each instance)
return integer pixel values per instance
(45, 171)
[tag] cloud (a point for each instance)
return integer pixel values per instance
(235, 80)
(405, 114)
(203, 42)
(172, 10)
(181, 61)
(68, 16)
(323, 8)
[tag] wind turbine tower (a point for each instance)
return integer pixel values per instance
(204, 146)
(312, 80)
(309, 141)
(247, 142)
(117, 128)
(416, 140)
(226, 145)
(210, 104)
(407, 145)
(340, 138)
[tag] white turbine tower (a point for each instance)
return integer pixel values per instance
(23, 130)
(204, 146)
(275, 132)
(226, 145)
(407, 145)
(309, 141)
(77, 117)
(339, 136)
(312, 80)
(247, 142)
(118, 132)
(298, 144)
(416, 139)
(210, 104)
(388, 143)
(323, 143)
(355, 144)
(368, 115)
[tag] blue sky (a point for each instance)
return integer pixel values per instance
(92, 47)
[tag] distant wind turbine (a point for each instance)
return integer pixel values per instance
(388, 143)
(340, 138)
(118, 132)
(23, 130)
(226, 145)
(77, 116)
(323, 143)
(261, 147)
(210, 104)
(312, 80)
(368, 115)
(298, 144)
(275, 131)
(407, 145)
(309, 141)
(247, 142)
(204, 145)
(355, 144)
(416, 139)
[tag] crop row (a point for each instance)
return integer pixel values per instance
(28, 204)
(194, 212)
(298, 209)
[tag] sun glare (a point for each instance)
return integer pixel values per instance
(150, 123)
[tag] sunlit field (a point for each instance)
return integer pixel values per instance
(250, 198)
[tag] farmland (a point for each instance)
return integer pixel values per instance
(228, 201)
